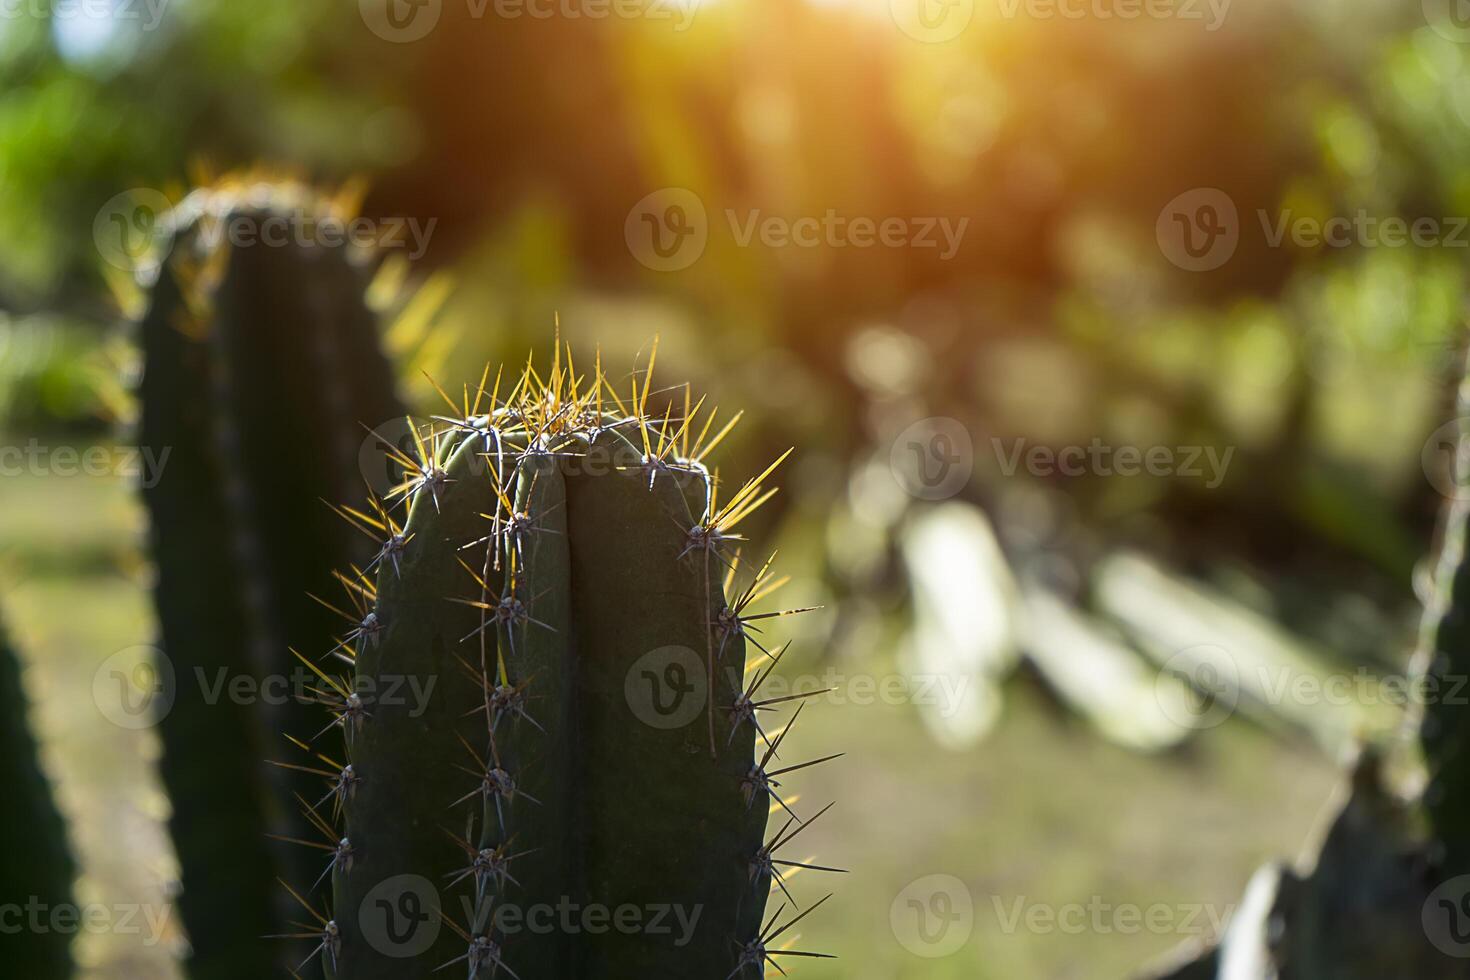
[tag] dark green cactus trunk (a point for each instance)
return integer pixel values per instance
(261, 398)
(552, 808)
(37, 870)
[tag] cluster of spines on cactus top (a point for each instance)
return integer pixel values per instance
(510, 433)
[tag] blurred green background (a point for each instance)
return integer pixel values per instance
(1080, 150)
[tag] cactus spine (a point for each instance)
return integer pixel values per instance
(585, 754)
(261, 368)
(38, 865)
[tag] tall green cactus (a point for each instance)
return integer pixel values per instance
(570, 780)
(262, 369)
(38, 868)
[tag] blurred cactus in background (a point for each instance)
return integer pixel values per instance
(1385, 895)
(38, 867)
(262, 373)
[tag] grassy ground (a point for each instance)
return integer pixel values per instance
(1041, 821)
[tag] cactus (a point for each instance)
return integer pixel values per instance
(38, 865)
(583, 755)
(1444, 666)
(261, 369)
(1388, 893)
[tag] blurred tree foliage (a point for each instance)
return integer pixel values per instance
(1059, 319)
